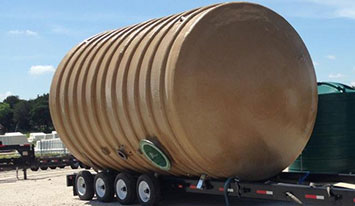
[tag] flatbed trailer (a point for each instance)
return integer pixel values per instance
(28, 160)
(302, 188)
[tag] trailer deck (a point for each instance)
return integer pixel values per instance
(28, 160)
(301, 188)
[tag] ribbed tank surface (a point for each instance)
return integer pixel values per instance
(223, 90)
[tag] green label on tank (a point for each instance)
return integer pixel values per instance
(154, 155)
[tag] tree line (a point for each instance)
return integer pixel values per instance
(19, 115)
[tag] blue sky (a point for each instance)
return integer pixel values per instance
(35, 35)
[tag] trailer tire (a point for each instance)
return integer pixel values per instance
(125, 188)
(148, 190)
(44, 168)
(84, 166)
(74, 165)
(104, 187)
(62, 167)
(52, 167)
(84, 185)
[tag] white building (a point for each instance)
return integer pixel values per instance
(50, 146)
(35, 136)
(13, 138)
(55, 134)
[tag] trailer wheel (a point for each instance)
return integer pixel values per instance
(53, 167)
(84, 166)
(84, 185)
(104, 187)
(34, 168)
(62, 167)
(125, 188)
(148, 190)
(74, 165)
(44, 168)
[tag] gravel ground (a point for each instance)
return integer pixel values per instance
(48, 188)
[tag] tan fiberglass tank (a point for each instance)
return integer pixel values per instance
(223, 90)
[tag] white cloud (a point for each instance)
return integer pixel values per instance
(31, 33)
(23, 32)
(41, 69)
(315, 63)
(339, 8)
(6, 94)
(352, 84)
(336, 76)
(60, 30)
(15, 32)
(348, 12)
(331, 57)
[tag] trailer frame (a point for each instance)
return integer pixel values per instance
(28, 160)
(299, 187)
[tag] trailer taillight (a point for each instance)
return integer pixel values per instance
(264, 192)
(193, 187)
(315, 197)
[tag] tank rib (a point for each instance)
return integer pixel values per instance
(77, 109)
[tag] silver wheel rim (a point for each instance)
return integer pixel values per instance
(100, 187)
(144, 191)
(121, 189)
(81, 186)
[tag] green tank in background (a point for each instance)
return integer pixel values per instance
(331, 148)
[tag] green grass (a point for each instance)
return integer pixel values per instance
(9, 156)
(17, 155)
(52, 155)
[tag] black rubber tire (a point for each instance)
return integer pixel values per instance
(82, 165)
(154, 187)
(34, 168)
(74, 165)
(44, 168)
(130, 182)
(62, 167)
(108, 185)
(53, 167)
(89, 185)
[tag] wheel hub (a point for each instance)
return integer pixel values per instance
(100, 187)
(81, 186)
(121, 189)
(144, 191)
